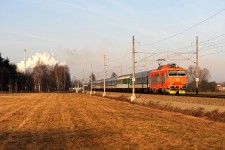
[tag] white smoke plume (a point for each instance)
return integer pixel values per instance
(45, 58)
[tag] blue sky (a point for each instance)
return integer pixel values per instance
(80, 32)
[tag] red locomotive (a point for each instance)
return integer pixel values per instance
(169, 79)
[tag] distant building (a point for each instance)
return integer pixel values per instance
(219, 87)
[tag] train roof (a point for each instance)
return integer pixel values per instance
(111, 79)
(97, 81)
(138, 74)
(143, 73)
(108, 79)
(124, 76)
(169, 66)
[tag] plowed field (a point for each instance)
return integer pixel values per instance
(80, 121)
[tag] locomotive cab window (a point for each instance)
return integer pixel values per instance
(181, 73)
(176, 73)
(172, 73)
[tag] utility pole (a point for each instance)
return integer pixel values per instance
(64, 78)
(104, 93)
(74, 80)
(91, 80)
(121, 70)
(16, 84)
(196, 68)
(25, 59)
(98, 76)
(133, 97)
(145, 62)
(83, 79)
(78, 82)
(25, 69)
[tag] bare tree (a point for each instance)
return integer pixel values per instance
(204, 76)
(39, 76)
(113, 75)
(93, 79)
(62, 77)
(223, 84)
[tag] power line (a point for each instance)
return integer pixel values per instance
(223, 40)
(212, 53)
(122, 57)
(169, 57)
(187, 47)
(205, 47)
(213, 38)
(213, 46)
(172, 36)
(144, 52)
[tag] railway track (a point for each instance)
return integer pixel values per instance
(184, 95)
(205, 95)
(199, 95)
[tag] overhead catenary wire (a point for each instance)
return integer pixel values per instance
(121, 57)
(172, 56)
(185, 30)
(192, 45)
(212, 38)
(208, 46)
(191, 52)
(169, 55)
(212, 53)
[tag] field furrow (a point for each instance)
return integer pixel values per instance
(79, 121)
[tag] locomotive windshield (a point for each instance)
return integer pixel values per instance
(181, 73)
(172, 73)
(176, 73)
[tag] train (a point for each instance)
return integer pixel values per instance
(166, 79)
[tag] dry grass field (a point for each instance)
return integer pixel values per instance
(80, 121)
(182, 102)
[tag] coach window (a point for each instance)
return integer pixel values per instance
(145, 79)
(119, 81)
(125, 81)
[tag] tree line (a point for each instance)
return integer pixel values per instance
(8, 74)
(42, 78)
(204, 84)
